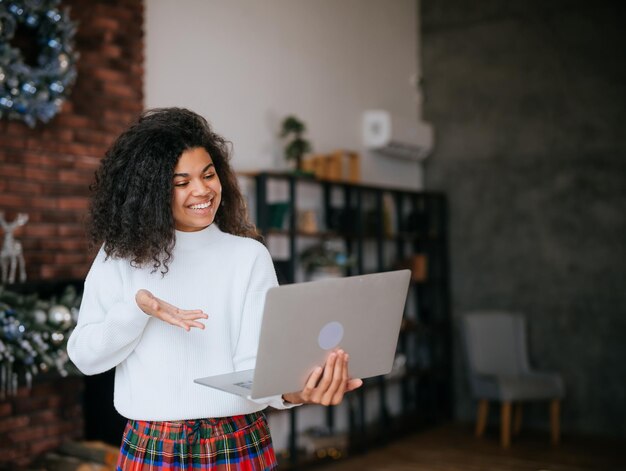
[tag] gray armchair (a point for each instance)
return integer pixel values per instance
(497, 360)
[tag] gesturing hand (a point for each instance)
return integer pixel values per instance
(160, 309)
(327, 385)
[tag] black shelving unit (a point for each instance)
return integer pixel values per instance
(380, 227)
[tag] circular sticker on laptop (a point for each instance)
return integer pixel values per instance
(330, 335)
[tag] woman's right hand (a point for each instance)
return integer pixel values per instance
(160, 309)
(326, 386)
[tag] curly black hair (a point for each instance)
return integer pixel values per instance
(131, 212)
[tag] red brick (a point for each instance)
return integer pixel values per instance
(13, 201)
(73, 190)
(66, 230)
(73, 203)
(73, 176)
(73, 412)
(22, 392)
(22, 461)
(12, 142)
(59, 428)
(23, 187)
(12, 171)
(80, 271)
(69, 258)
(33, 173)
(130, 106)
(59, 134)
(112, 51)
(93, 137)
(28, 434)
(11, 157)
(104, 23)
(88, 162)
(63, 243)
(44, 417)
(26, 203)
(30, 404)
(128, 15)
(40, 258)
(17, 128)
(73, 121)
(62, 217)
(55, 271)
(11, 454)
(36, 164)
(120, 117)
(6, 409)
(14, 423)
(45, 444)
(48, 387)
(66, 107)
(109, 75)
(80, 149)
(123, 90)
(47, 159)
(40, 230)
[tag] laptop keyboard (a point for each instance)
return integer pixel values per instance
(244, 384)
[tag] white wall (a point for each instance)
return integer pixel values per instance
(246, 64)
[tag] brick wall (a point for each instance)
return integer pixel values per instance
(39, 419)
(46, 171)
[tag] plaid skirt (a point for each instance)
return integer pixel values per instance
(241, 443)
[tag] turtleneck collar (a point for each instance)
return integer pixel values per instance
(196, 239)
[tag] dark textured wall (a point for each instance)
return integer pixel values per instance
(528, 99)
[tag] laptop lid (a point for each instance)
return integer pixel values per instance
(304, 322)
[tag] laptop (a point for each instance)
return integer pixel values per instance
(304, 322)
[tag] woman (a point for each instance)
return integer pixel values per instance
(176, 292)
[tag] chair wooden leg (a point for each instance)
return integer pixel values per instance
(481, 417)
(505, 424)
(555, 426)
(517, 418)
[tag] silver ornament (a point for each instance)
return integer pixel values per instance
(57, 338)
(60, 316)
(40, 316)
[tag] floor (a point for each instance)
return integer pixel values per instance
(454, 448)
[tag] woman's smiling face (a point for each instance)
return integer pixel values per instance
(197, 191)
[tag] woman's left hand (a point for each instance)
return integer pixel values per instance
(327, 385)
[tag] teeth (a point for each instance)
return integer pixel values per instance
(200, 206)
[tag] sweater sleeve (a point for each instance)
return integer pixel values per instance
(261, 279)
(109, 326)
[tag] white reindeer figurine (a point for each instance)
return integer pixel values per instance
(11, 255)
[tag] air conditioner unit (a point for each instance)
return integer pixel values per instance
(397, 137)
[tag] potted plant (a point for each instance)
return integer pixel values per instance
(324, 260)
(297, 146)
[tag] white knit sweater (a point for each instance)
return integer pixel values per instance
(155, 363)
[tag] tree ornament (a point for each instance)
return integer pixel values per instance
(57, 338)
(33, 337)
(37, 59)
(40, 316)
(60, 316)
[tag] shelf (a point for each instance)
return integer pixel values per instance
(306, 178)
(312, 235)
(400, 237)
(382, 228)
(424, 328)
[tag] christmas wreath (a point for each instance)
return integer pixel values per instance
(37, 59)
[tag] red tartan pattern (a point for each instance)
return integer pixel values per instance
(239, 443)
